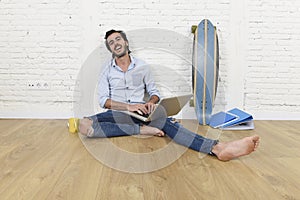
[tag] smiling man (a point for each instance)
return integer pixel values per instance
(124, 64)
(117, 43)
(122, 86)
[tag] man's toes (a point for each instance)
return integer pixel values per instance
(161, 134)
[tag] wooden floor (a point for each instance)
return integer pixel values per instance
(39, 159)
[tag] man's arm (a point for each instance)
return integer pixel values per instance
(103, 87)
(153, 99)
(150, 105)
(151, 90)
(115, 105)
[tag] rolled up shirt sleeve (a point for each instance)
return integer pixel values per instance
(103, 87)
(150, 83)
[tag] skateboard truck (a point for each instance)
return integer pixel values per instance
(194, 28)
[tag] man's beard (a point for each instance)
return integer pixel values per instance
(120, 55)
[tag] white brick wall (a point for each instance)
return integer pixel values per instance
(272, 83)
(39, 41)
(48, 41)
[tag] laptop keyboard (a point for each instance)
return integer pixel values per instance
(144, 115)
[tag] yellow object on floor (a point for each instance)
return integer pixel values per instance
(73, 125)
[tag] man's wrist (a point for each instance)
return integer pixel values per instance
(154, 99)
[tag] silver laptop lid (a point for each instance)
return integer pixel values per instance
(173, 105)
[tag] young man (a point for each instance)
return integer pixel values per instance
(122, 86)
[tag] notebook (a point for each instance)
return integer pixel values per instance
(234, 119)
(219, 119)
(166, 107)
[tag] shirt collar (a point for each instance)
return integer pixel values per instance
(131, 66)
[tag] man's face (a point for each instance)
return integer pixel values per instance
(117, 45)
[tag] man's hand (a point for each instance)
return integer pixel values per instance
(140, 108)
(115, 105)
(150, 107)
(146, 108)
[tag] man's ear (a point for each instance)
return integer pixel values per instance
(107, 46)
(127, 45)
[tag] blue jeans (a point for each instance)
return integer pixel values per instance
(113, 123)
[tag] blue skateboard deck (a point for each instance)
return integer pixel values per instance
(205, 69)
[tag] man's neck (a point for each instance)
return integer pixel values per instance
(123, 62)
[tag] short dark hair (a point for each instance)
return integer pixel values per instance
(108, 33)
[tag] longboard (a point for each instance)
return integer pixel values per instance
(205, 69)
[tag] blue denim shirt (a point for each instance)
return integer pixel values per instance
(127, 87)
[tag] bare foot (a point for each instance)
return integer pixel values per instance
(148, 130)
(229, 150)
(85, 125)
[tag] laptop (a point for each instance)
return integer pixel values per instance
(165, 107)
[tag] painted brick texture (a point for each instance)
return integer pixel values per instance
(39, 41)
(272, 82)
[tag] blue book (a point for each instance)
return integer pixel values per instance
(234, 119)
(221, 118)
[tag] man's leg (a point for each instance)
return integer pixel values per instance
(229, 150)
(122, 118)
(92, 128)
(115, 117)
(223, 151)
(184, 136)
(113, 123)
